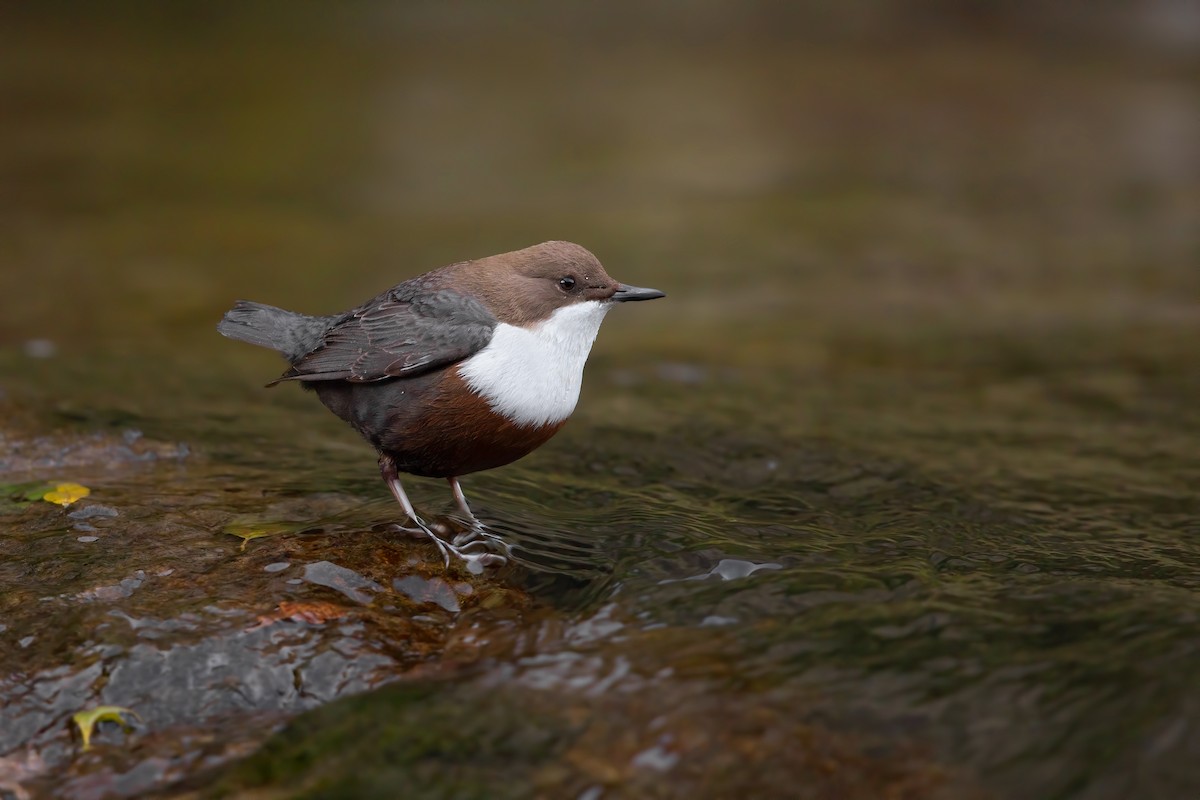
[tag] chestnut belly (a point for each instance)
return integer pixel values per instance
(432, 425)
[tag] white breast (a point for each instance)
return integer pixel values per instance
(532, 375)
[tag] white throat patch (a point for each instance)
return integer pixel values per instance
(532, 375)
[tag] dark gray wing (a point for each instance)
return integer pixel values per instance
(403, 332)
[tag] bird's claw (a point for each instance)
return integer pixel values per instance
(474, 538)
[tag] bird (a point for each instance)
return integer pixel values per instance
(465, 368)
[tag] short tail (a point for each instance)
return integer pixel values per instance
(288, 332)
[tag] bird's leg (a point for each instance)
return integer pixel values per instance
(475, 526)
(387, 468)
(477, 533)
(461, 499)
(475, 561)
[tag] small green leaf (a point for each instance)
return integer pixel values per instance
(19, 495)
(87, 720)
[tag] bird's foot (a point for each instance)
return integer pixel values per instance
(477, 533)
(414, 532)
(494, 550)
(420, 528)
(475, 546)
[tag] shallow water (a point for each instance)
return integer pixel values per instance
(894, 495)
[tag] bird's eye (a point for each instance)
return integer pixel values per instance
(567, 283)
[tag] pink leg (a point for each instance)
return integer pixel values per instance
(475, 561)
(461, 499)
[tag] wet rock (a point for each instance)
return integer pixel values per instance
(341, 579)
(17, 769)
(171, 684)
(497, 739)
(36, 705)
(108, 594)
(728, 569)
(428, 590)
(92, 511)
(58, 451)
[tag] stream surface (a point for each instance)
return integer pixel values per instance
(895, 495)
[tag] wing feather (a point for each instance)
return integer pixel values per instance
(402, 333)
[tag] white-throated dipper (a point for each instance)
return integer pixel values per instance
(462, 369)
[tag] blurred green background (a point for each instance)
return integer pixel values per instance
(793, 174)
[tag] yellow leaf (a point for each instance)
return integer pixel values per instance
(87, 720)
(66, 493)
(247, 531)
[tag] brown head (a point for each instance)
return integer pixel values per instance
(526, 286)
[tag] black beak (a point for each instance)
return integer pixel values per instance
(625, 293)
